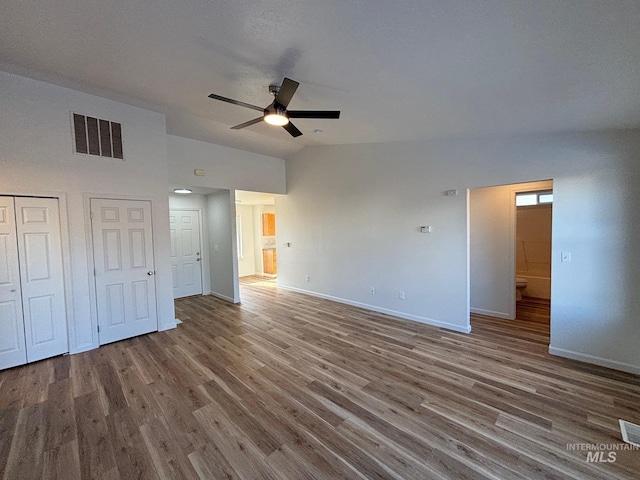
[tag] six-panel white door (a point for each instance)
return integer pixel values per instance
(185, 253)
(41, 277)
(33, 321)
(13, 350)
(124, 268)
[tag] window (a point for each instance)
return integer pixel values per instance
(526, 199)
(545, 198)
(239, 236)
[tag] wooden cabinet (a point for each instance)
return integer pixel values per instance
(268, 224)
(269, 265)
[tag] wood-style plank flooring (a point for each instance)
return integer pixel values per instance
(533, 309)
(287, 386)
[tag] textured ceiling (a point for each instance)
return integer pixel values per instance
(412, 69)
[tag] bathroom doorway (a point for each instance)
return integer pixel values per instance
(534, 212)
(500, 252)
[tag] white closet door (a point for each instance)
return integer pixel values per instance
(42, 277)
(124, 268)
(185, 253)
(12, 345)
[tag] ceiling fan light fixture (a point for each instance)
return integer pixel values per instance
(276, 115)
(276, 118)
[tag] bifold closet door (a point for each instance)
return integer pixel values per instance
(33, 321)
(13, 350)
(41, 277)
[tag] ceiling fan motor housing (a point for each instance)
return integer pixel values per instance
(274, 89)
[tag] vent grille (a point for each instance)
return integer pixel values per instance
(630, 432)
(94, 136)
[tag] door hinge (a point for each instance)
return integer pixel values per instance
(98, 328)
(94, 272)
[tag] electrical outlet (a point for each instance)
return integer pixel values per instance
(401, 295)
(372, 290)
(307, 278)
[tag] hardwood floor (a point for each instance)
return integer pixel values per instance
(287, 386)
(534, 310)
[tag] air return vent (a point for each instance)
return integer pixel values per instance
(95, 136)
(630, 432)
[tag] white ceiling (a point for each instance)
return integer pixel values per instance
(410, 69)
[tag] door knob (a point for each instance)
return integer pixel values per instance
(150, 272)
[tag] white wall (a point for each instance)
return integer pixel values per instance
(490, 260)
(199, 203)
(36, 157)
(224, 167)
(492, 229)
(222, 245)
(352, 214)
(247, 264)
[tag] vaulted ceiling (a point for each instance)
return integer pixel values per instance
(411, 69)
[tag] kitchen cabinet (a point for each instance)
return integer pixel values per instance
(269, 265)
(268, 224)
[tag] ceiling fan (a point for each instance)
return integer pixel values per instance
(276, 113)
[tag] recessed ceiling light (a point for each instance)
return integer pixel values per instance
(317, 130)
(182, 190)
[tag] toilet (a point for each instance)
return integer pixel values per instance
(521, 284)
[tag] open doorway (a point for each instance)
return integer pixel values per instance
(533, 254)
(510, 252)
(256, 228)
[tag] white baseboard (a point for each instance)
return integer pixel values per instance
(406, 316)
(491, 313)
(603, 362)
(223, 297)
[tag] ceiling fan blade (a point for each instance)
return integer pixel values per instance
(287, 89)
(328, 114)
(247, 124)
(291, 128)
(235, 102)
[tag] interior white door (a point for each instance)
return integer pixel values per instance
(12, 345)
(41, 277)
(124, 268)
(186, 262)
